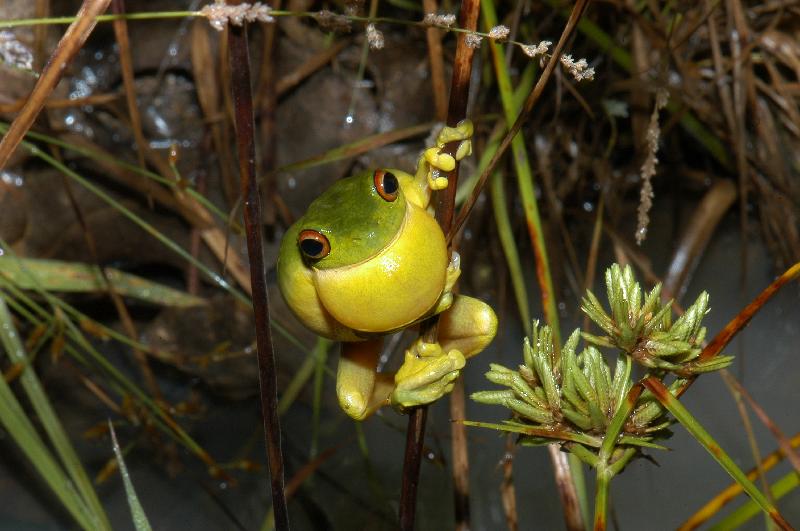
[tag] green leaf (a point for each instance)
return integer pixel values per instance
(594, 310)
(526, 392)
(621, 382)
(580, 420)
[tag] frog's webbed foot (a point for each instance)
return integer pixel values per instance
(433, 161)
(426, 375)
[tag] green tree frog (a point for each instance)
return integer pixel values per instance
(368, 259)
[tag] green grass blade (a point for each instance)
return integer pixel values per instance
(49, 419)
(15, 421)
(122, 384)
(556, 436)
(56, 275)
(140, 521)
(697, 431)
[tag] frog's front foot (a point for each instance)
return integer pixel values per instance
(460, 133)
(426, 375)
(439, 161)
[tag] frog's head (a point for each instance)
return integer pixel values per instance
(366, 256)
(352, 221)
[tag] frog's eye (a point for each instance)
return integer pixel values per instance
(386, 184)
(313, 244)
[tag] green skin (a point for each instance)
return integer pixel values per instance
(362, 227)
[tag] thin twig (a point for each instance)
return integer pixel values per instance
(243, 109)
(68, 46)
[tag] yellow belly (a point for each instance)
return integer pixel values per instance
(394, 288)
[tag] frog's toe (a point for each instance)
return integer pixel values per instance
(464, 149)
(462, 131)
(436, 181)
(354, 404)
(440, 160)
(427, 350)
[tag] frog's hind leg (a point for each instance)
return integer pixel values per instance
(468, 326)
(360, 390)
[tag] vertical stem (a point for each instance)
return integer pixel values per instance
(530, 102)
(445, 207)
(460, 457)
(243, 109)
(415, 434)
(601, 497)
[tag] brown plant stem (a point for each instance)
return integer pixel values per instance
(460, 456)
(508, 494)
(244, 122)
(435, 56)
(445, 207)
(126, 68)
(67, 47)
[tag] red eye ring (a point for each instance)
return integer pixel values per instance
(386, 185)
(313, 244)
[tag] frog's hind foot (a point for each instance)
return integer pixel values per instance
(426, 375)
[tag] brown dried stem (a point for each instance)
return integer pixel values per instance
(244, 121)
(435, 56)
(460, 457)
(126, 67)
(68, 46)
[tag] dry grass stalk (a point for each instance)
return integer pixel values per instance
(649, 168)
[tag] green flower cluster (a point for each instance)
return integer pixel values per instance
(574, 396)
(645, 331)
(573, 399)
